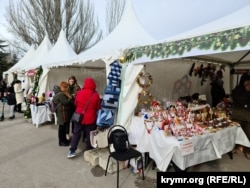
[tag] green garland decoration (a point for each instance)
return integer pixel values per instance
(229, 39)
(38, 73)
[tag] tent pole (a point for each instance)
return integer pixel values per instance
(242, 58)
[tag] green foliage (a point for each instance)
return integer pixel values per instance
(39, 71)
(3, 59)
(222, 41)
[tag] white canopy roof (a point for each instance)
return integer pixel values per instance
(61, 52)
(25, 59)
(166, 18)
(214, 31)
(40, 54)
(128, 33)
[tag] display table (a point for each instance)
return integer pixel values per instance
(162, 149)
(40, 114)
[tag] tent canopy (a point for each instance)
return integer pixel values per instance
(222, 41)
(61, 51)
(210, 42)
(38, 57)
(128, 33)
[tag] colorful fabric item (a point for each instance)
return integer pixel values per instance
(105, 117)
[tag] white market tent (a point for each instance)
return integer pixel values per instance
(128, 33)
(25, 60)
(17, 68)
(224, 41)
(237, 19)
(39, 56)
(60, 52)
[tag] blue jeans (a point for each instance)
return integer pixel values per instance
(77, 132)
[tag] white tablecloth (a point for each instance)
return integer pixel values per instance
(40, 114)
(162, 149)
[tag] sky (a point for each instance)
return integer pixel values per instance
(163, 18)
(99, 6)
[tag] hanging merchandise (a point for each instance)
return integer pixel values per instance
(145, 97)
(105, 118)
(144, 80)
(115, 73)
(110, 100)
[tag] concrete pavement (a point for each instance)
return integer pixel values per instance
(31, 158)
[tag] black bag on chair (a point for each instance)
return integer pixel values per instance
(119, 139)
(76, 117)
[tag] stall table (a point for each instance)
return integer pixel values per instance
(164, 149)
(40, 114)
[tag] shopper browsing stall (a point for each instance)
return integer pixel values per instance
(241, 106)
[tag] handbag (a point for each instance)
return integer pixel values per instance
(77, 117)
(99, 138)
(105, 117)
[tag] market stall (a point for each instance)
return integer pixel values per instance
(185, 152)
(40, 114)
(186, 131)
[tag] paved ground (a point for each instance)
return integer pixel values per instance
(31, 158)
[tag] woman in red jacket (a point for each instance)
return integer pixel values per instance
(87, 93)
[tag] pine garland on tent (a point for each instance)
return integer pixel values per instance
(38, 73)
(229, 39)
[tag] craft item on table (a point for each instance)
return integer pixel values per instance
(168, 104)
(145, 116)
(167, 131)
(149, 124)
(158, 124)
(180, 109)
(166, 127)
(156, 106)
(34, 100)
(172, 111)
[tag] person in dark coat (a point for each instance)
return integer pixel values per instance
(73, 89)
(3, 87)
(63, 100)
(11, 99)
(241, 107)
(217, 90)
(88, 124)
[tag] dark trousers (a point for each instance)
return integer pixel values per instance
(19, 107)
(62, 133)
(78, 129)
(72, 128)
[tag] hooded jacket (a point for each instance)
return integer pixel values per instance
(82, 97)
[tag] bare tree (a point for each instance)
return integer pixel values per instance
(114, 11)
(31, 20)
